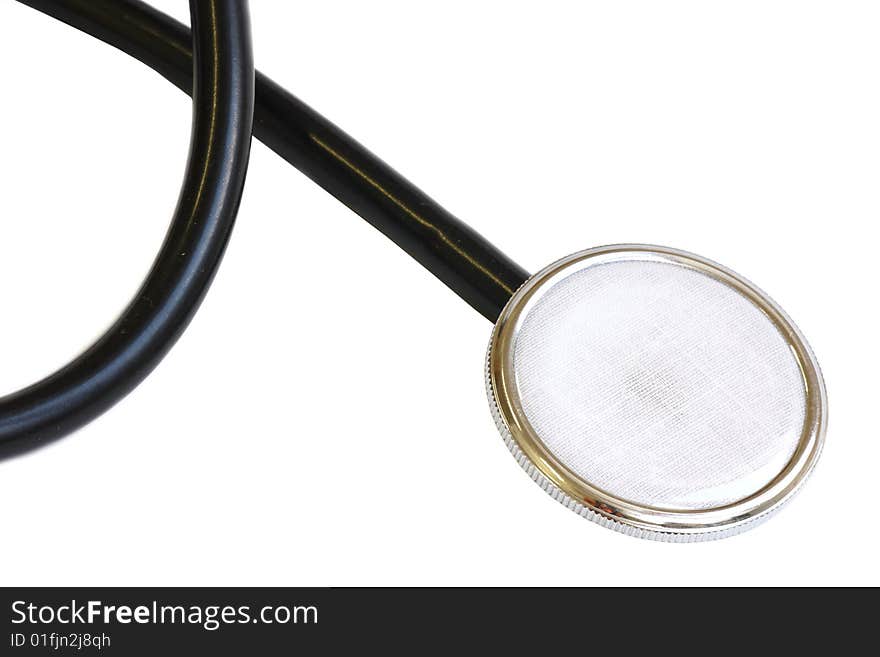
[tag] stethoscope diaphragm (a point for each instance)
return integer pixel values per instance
(656, 392)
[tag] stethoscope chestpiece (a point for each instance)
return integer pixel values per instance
(656, 393)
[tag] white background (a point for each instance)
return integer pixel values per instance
(323, 420)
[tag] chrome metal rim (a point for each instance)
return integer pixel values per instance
(621, 514)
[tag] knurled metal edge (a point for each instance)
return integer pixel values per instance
(665, 535)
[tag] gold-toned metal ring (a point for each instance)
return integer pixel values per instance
(626, 515)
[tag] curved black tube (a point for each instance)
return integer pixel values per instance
(223, 102)
(455, 253)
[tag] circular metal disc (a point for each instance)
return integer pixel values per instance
(656, 392)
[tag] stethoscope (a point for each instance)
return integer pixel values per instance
(579, 374)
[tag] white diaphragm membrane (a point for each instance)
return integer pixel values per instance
(656, 392)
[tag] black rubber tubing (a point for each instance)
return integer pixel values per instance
(223, 105)
(455, 253)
